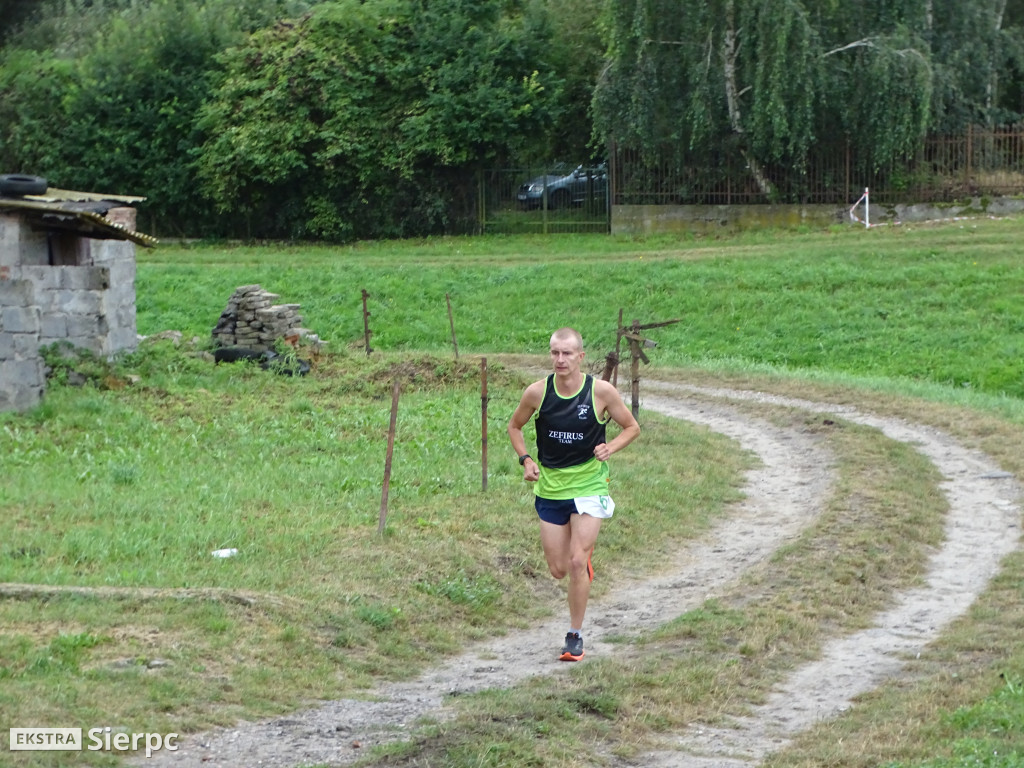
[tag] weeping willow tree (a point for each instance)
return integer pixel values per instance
(978, 55)
(765, 80)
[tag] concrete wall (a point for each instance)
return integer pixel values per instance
(708, 219)
(22, 378)
(86, 298)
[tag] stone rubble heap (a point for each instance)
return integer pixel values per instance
(251, 320)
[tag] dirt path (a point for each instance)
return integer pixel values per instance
(782, 497)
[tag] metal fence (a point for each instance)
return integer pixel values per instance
(982, 161)
(560, 198)
(544, 200)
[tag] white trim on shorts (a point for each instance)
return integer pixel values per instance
(596, 506)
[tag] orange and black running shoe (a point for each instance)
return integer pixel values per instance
(573, 648)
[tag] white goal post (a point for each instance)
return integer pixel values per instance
(865, 198)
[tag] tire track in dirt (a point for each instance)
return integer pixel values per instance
(983, 526)
(782, 497)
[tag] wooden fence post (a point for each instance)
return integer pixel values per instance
(634, 369)
(637, 341)
(483, 418)
(395, 389)
(366, 323)
(611, 364)
(618, 342)
(451, 323)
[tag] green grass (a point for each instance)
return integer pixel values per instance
(135, 486)
(988, 730)
(718, 659)
(933, 304)
(131, 482)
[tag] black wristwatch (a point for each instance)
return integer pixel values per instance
(523, 458)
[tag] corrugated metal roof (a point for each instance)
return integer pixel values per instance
(80, 212)
(54, 195)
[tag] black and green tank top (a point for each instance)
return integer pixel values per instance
(568, 428)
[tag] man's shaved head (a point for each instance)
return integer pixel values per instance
(568, 334)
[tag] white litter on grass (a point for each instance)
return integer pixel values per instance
(224, 552)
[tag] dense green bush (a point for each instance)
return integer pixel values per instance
(103, 96)
(367, 119)
(280, 118)
(33, 89)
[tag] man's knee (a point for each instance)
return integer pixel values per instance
(558, 571)
(578, 561)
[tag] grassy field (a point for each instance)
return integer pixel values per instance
(125, 486)
(938, 304)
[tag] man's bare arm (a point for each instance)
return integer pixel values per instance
(528, 405)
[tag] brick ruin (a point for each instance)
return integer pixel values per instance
(67, 274)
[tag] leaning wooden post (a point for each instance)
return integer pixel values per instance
(636, 342)
(611, 364)
(451, 323)
(483, 418)
(366, 323)
(618, 341)
(634, 368)
(396, 387)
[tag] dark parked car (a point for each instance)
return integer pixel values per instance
(584, 184)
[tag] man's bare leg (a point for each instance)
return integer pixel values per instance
(582, 538)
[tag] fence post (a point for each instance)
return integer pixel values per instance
(614, 163)
(968, 159)
(483, 418)
(618, 342)
(611, 362)
(395, 389)
(610, 185)
(366, 323)
(544, 204)
(451, 323)
(481, 202)
(634, 369)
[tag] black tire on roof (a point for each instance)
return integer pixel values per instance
(20, 184)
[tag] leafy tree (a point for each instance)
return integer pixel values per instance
(14, 13)
(977, 54)
(366, 119)
(32, 86)
(115, 109)
(712, 76)
(576, 53)
(774, 79)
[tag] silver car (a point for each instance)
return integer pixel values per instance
(586, 184)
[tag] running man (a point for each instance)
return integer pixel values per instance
(572, 478)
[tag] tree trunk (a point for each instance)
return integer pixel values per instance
(730, 51)
(992, 87)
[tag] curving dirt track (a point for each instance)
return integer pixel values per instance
(782, 497)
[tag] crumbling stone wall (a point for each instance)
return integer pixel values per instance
(59, 287)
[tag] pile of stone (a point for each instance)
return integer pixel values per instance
(253, 321)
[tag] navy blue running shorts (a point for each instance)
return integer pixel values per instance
(558, 511)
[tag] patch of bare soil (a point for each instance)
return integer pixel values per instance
(782, 497)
